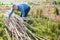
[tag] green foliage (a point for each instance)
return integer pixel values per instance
(45, 28)
(59, 3)
(55, 2)
(57, 11)
(40, 26)
(2, 27)
(59, 26)
(17, 12)
(30, 21)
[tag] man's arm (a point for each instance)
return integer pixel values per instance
(11, 13)
(23, 11)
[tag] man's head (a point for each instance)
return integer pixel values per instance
(15, 7)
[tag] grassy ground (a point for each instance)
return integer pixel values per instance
(49, 29)
(2, 28)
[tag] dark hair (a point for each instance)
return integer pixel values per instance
(13, 5)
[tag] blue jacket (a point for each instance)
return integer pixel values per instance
(21, 7)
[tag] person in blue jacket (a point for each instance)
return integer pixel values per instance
(23, 8)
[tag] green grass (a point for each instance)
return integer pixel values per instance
(2, 27)
(40, 26)
(43, 28)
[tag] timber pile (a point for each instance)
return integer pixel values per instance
(17, 27)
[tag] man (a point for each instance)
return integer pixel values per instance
(23, 8)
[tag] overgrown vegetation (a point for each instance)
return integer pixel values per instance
(50, 29)
(47, 29)
(2, 28)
